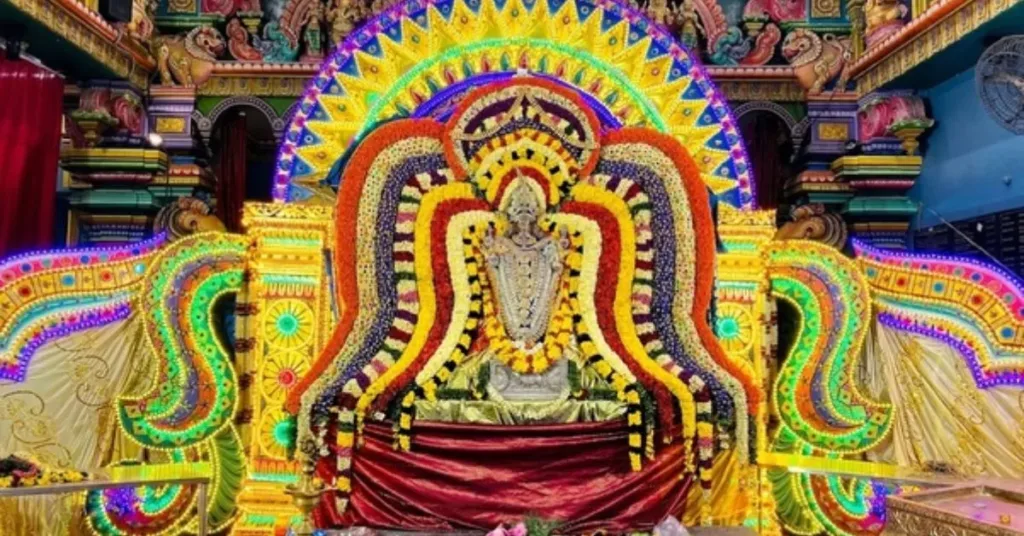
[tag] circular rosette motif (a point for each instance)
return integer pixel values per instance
(734, 327)
(280, 372)
(288, 324)
(276, 431)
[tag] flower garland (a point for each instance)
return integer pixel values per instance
(525, 149)
(628, 243)
(495, 105)
(421, 207)
(688, 388)
(693, 274)
(363, 177)
(16, 472)
(428, 390)
(628, 392)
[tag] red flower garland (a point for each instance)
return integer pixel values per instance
(349, 195)
(604, 301)
(704, 234)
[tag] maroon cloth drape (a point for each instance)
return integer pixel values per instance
(231, 172)
(460, 476)
(30, 118)
(766, 146)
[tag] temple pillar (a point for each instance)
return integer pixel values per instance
(885, 168)
(855, 12)
(170, 115)
(285, 316)
(862, 158)
(816, 191)
(188, 173)
(107, 165)
(746, 325)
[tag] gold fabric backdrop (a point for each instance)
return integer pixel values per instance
(64, 416)
(942, 418)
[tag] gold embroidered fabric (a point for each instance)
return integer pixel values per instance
(63, 415)
(519, 413)
(942, 418)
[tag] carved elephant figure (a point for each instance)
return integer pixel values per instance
(186, 216)
(812, 222)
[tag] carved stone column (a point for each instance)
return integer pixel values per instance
(888, 162)
(855, 11)
(816, 191)
(108, 165)
(170, 115)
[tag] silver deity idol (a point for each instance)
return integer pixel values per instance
(525, 265)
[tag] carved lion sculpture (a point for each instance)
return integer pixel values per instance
(187, 215)
(817, 60)
(188, 59)
(812, 222)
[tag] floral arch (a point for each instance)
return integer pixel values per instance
(420, 56)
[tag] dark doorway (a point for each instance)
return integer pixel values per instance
(770, 147)
(244, 149)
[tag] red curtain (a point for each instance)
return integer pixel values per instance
(30, 120)
(476, 477)
(231, 172)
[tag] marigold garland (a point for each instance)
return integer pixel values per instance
(442, 298)
(628, 392)
(614, 302)
(695, 332)
(350, 191)
(428, 389)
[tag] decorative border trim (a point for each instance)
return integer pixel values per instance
(775, 83)
(89, 32)
(941, 25)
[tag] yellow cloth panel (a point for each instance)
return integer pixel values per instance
(729, 499)
(64, 415)
(941, 415)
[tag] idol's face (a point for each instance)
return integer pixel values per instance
(523, 216)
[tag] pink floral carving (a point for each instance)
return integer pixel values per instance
(879, 112)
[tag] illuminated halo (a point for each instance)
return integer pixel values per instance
(419, 52)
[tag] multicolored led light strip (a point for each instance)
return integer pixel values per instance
(196, 391)
(816, 393)
(50, 295)
(367, 80)
(971, 306)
